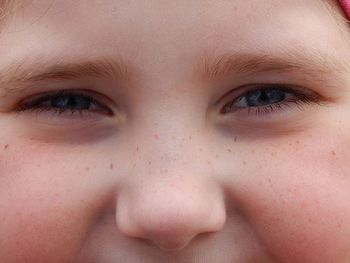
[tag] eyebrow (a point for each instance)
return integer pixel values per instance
(26, 72)
(226, 65)
(249, 63)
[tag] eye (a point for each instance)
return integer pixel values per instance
(267, 99)
(72, 102)
(65, 102)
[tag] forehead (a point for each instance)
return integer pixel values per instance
(166, 33)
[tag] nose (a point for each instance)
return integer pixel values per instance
(170, 213)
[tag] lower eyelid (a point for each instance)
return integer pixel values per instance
(63, 120)
(284, 112)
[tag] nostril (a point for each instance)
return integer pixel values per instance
(168, 228)
(173, 246)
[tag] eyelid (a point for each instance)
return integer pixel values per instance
(45, 118)
(242, 90)
(95, 97)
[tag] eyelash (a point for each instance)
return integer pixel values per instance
(300, 98)
(35, 105)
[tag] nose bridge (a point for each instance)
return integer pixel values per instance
(169, 197)
(169, 134)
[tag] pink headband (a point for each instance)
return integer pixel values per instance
(345, 4)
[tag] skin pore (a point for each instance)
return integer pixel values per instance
(168, 160)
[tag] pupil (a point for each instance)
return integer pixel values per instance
(64, 102)
(264, 97)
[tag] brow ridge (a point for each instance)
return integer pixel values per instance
(249, 63)
(96, 68)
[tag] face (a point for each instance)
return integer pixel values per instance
(195, 131)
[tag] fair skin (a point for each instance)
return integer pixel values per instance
(157, 171)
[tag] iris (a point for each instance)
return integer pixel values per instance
(71, 102)
(264, 97)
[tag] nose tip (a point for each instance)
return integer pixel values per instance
(170, 221)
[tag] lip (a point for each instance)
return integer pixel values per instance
(345, 4)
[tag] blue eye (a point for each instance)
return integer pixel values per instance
(65, 102)
(264, 97)
(268, 99)
(71, 102)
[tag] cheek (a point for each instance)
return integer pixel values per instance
(45, 212)
(300, 203)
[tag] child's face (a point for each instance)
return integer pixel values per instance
(170, 159)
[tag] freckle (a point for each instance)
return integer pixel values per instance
(164, 171)
(253, 151)
(111, 166)
(216, 156)
(149, 162)
(244, 163)
(208, 162)
(137, 148)
(190, 137)
(6, 146)
(334, 153)
(200, 149)
(229, 150)
(173, 137)
(272, 154)
(297, 141)
(310, 220)
(156, 136)
(87, 168)
(38, 165)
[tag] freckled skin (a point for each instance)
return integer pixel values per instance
(173, 180)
